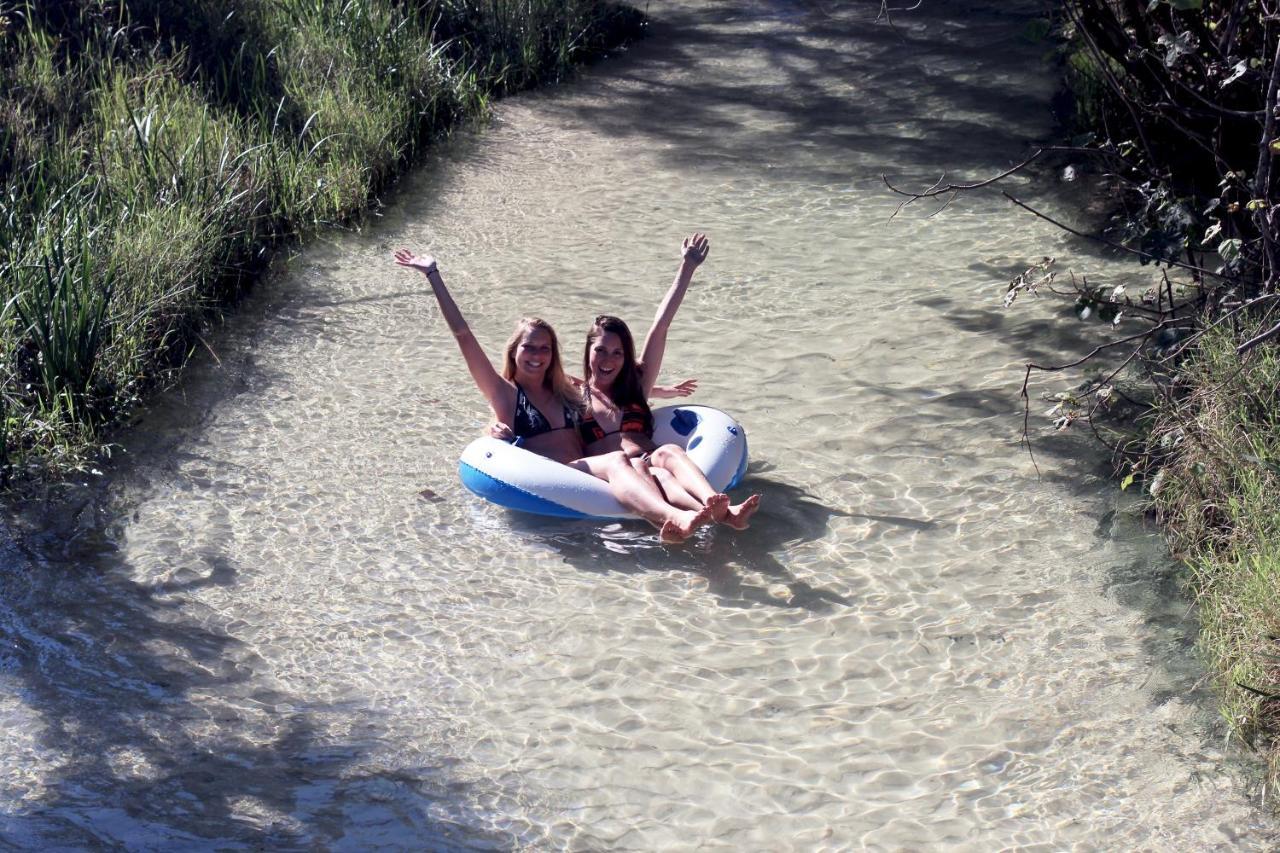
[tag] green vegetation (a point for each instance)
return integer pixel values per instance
(152, 152)
(1217, 493)
(1180, 99)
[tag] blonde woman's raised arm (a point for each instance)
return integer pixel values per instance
(692, 253)
(493, 386)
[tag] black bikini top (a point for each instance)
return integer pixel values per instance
(529, 421)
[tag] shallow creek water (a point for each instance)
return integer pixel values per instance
(279, 620)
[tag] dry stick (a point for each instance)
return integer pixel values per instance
(937, 189)
(885, 14)
(1229, 31)
(1254, 341)
(1233, 312)
(1106, 242)
(1262, 178)
(1093, 427)
(1112, 376)
(1026, 420)
(210, 349)
(1103, 152)
(1210, 104)
(1026, 379)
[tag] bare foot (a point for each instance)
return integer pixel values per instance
(739, 517)
(719, 506)
(681, 527)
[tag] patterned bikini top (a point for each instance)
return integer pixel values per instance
(636, 418)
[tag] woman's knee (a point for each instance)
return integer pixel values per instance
(662, 475)
(666, 454)
(616, 459)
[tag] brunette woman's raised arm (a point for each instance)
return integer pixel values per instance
(494, 387)
(692, 253)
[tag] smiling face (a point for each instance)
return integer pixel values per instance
(533, 357)
(605, 358)
(609, 362)
(533, 354)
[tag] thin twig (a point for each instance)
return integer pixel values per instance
(1115, 245)
(885, 14)
(1233, 312)
(938, 189)
(1257, 339)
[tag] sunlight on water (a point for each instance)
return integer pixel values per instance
(282, 622)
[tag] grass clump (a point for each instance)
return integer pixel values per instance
(1216, 493)
(153, 151)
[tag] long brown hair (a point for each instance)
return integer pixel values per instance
(627, 389)
(554, 379)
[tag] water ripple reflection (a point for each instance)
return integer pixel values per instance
(280, 622)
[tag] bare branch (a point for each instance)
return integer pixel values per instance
(938, 189)
(1051, 368)
(1258, 339)
(1244, 306)
(887, 17)
(1156, 258)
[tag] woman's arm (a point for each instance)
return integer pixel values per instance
(494, 387)
(684, 388)
(692, 253)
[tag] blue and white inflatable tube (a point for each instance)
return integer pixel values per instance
(512, 477)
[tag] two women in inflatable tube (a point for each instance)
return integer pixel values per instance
(593, 448)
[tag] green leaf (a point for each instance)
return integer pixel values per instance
(1186, 5)
(1126, 482)
(1229, 250)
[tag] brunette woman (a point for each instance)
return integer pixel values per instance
(616, 390)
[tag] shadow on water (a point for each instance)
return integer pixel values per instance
(110, 667)
(156, 731)
(788, 517)
(931, 91)
(1144, 577)
(147, 724)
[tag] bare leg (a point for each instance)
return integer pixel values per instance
(640, 494)
(671, 490)
(673, 459)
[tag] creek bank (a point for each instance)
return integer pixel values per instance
(157, 155)
(1179, 100)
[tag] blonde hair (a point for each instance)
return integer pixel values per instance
(554, 379)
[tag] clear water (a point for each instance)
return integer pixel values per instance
(280, 622)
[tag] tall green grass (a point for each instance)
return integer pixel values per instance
(1217, 494)
(153, 151)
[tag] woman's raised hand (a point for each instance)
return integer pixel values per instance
(680, 389)
(425, 263)
(695, 248)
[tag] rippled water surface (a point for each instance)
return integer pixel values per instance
(281, 622)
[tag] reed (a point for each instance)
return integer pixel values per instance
(153, 152)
